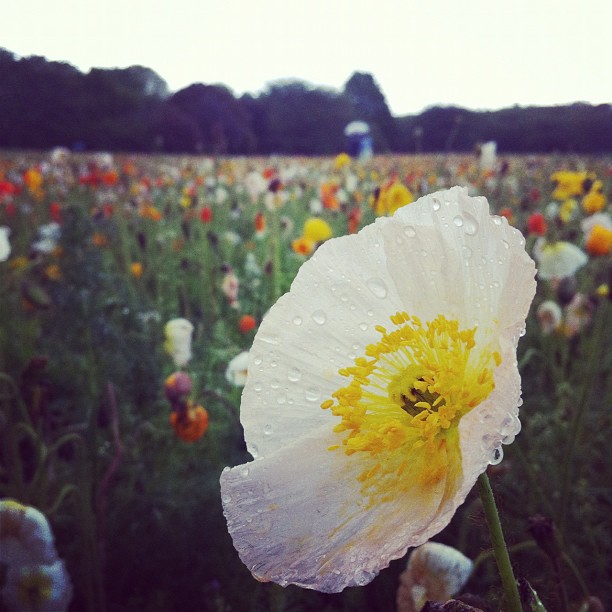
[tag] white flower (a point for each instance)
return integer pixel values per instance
(32, 588)
(25, 535)
(237, 369)
(488, 156)
(435, 572)
(255, 184)
(379, 388)
(558, 259)
(35, 579)
(602, 219)
(178, 341)
(49, 235)
(5, 245)
(549, 315)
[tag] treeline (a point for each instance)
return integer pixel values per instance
(45, 104)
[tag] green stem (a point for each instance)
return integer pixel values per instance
(498, 543)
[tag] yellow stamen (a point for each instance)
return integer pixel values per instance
(403, 403)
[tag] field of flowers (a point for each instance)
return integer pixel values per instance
(131, 289)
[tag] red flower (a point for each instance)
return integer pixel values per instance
(206, 214)
(536, 224)
(247, 323)
(55, 210)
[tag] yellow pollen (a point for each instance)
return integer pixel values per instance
(404, 400)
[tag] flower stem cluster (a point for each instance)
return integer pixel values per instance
(188, 419)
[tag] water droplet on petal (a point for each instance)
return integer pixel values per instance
(312, 395)
(244, 472)
(410, 231)
(294, 375)
(268, 429)
(297, 320)
(258, 387)
(497, 220)
(458, 220)
(470, 226)
(377, 287)
(275, 384)
(436, 205)
(363, 326)
(257, 360)
(498, 455)
(319, 317)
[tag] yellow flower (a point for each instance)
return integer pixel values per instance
(136, 269)
(568, 210)
(569, 184)
(342, 160)
(595, 200)
(393, 362)
(391, 197)
(316, 230)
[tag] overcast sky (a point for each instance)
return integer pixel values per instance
(472, 53)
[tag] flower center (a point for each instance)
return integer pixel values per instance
(405, 398)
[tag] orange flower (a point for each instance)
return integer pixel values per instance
(189, 424)
(99, 240)
(247, 323)
(260, 223)
(303, 246)
(599, 241)
(507, 212)
(150, 212)
(136, 269)
(53, 272)
(328, 196)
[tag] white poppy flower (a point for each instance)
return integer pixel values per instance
(25, 535)
(435, 572)
(558, 259)
(237, 369)
(31, 588)
(178, 341)
(549, 315)
(379, 388)
(5, 245)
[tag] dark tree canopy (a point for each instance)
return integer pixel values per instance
(44, 104)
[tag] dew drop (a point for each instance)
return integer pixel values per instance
(344, 297)
(270, 339)
(458, 220)
(268, 430)
(297, 320)
(470, 226)
(281, 400)
(497, 220)
(410, 231)
(363, 326)
(319, 317)
(377, 287)
(294, 375)
(505, 243)
(370, 313)
(226, 499)
(257, 360)
(361, 576)
(312, 395)
(258, 387)
(436, 205)
(244, 472)
(275, 384)
(498, 455)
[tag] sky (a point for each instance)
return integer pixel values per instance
(478, 54)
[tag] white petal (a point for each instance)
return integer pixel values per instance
(298, 516)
